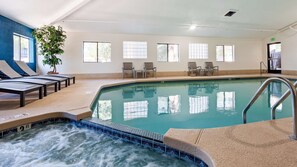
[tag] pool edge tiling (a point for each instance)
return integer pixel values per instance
(77, 99)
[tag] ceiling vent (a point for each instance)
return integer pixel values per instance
(230, 13)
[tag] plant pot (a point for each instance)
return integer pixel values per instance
(51, 72)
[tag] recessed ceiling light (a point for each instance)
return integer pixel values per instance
(193, 27)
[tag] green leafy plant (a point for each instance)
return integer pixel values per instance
(51, 42)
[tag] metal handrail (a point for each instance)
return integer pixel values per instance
(282, 99)
(261, 68)
(294, 102)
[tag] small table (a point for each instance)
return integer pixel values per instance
(136, 72)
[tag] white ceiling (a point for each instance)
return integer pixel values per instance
(254, 19)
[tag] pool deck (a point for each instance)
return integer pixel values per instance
(256, 144)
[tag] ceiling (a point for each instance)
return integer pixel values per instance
(254, 18)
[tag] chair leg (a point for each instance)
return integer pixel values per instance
(45, 90)
(40, 92)
(22, 99)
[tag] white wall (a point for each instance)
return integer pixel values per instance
(248, 53)
(288, 40)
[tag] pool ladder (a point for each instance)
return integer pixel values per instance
(291, 90)
(263, 70)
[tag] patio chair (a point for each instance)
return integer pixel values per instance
(210, 68)
(10, 73)
(21, 89)
(149, 91)
(24, 67)
(193, 69)
(149, 67)
(127, 68)
(128, 92)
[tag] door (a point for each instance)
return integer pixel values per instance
(274, 57)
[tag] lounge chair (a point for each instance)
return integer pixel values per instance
(20, 88)
(30, 72)
(210, 68)
(44, 83)
(149, 66)
(127, 67)
(193, 69)
(10, 73)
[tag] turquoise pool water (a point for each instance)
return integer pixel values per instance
(156, 107)
(65, 145)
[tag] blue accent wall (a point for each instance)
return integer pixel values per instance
(7, 28)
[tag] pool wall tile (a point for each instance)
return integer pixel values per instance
(147, 143)
(136, 140)
(173, 152)
(187, 157)
(159, 147)
(117, 134)
(144, 138)
(126, 137)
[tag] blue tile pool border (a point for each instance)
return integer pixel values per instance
(154, 144)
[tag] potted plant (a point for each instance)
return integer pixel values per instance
(51, 42)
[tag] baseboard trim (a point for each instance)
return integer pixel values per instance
(162, 74)
(289, 72)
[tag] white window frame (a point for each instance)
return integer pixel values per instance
(226, 101)
(198, 51)
(97, 52)
(134, 50)
(198, 104)
(167, 53)
(224, 54)
(19, 57)
(135, 110)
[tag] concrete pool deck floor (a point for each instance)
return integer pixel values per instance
(255, 144)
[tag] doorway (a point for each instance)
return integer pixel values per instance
(274, 57)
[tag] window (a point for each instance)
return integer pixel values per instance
(198, 51)
(90, 52)
(225, 53)
(21, 48)
(135, 109)
(198, 104)
(168, 52)
(169, 105)
(103, 110)
(226, 101)
(97, 52)
(134, 50)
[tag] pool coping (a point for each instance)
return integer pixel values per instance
(84, 112)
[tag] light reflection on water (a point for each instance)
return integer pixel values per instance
(195, 104)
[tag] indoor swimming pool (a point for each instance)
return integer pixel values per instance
(158, 106)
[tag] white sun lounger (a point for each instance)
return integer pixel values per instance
(30, 72)
(10, 73)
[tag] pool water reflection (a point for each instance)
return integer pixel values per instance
(195, 104)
